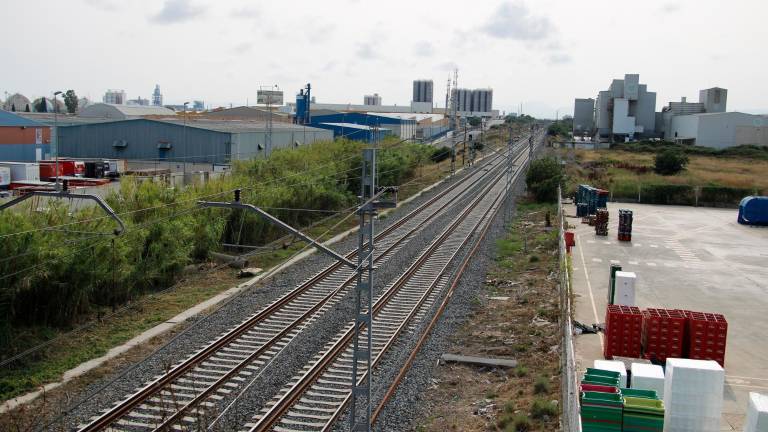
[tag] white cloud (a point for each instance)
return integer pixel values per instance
(424, 49)
(513, 20)
(175, 11)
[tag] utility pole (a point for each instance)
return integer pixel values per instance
(453, 155)
(186, 150)
(464, 152)
(361, 404)
(56, 135)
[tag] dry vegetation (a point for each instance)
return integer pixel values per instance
(618, 168)
(515, 316)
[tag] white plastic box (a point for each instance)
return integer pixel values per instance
(757, 413)
(625, 288)
(648, 377)
(613, 366)
(693, 395)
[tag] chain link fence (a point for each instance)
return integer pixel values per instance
(570, 396)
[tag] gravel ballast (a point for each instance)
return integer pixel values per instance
(203, 329)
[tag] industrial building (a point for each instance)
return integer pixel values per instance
(473, 102)
(247, 113)
(423, 96)
(17, 102)
(124, 112)
(354, 131)
(373, 99)
(719, 129)
(157, 97)
(114, 97)
(583, 117)
(423, 91)
(398, 126)
(713, 100)
(22, 139)
(626, 110)
(195, 141)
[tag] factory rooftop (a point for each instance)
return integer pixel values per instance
(233, 126)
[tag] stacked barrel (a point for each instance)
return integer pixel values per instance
(625, 225)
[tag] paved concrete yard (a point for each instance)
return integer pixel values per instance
(685, 258)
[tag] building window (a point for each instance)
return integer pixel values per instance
(120, 144)
(164, 145)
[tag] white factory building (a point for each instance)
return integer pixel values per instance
(719, 129)
(626, 111)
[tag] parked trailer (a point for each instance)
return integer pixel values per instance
(753, 210)
(23, 171)
(5, 177)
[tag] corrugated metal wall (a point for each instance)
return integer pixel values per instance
(142, 139)
(253, 144)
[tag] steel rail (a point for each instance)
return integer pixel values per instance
(128, 404)
(289, 398)
(438, 313)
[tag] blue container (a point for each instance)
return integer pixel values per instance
(753, 210)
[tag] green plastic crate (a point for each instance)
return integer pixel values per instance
(638, 393)
(600, 380)
(602, 372)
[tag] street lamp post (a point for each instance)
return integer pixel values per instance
(56, 133)
(185, 138)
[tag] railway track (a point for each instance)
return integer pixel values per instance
(314, 399)
(182, 398)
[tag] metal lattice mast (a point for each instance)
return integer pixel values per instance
(360, 409)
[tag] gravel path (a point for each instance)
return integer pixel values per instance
(206, 328)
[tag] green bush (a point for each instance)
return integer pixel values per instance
(668, 194)
(723, 195)
(543, 177)
(440, 154)
(521, 423)
(542, 407)
(670, 162)
(541, 386)
(58, 278)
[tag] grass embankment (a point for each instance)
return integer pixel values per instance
(515, 316)
(720, 179)
(55, 281)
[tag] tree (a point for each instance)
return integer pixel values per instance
(474, 121)
(670, 162)
(41, 105)
(543, 177)
(13, 107)
(70, 100)
(27, 108)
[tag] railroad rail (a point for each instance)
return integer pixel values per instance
(313, 400)
(182, 397)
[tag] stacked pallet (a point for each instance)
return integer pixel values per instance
(625, 225)
(693, 395)
(601, 222)
(663, 334)
(623, 331)
(706, 336)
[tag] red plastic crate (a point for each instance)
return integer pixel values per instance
(706, 336)
(663, 333)
(623, 331)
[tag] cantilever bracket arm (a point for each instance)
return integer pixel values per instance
(312, 242)
(67, 194)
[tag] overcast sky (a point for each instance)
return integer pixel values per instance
(541, 53)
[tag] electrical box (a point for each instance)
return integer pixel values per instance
(625, 288)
